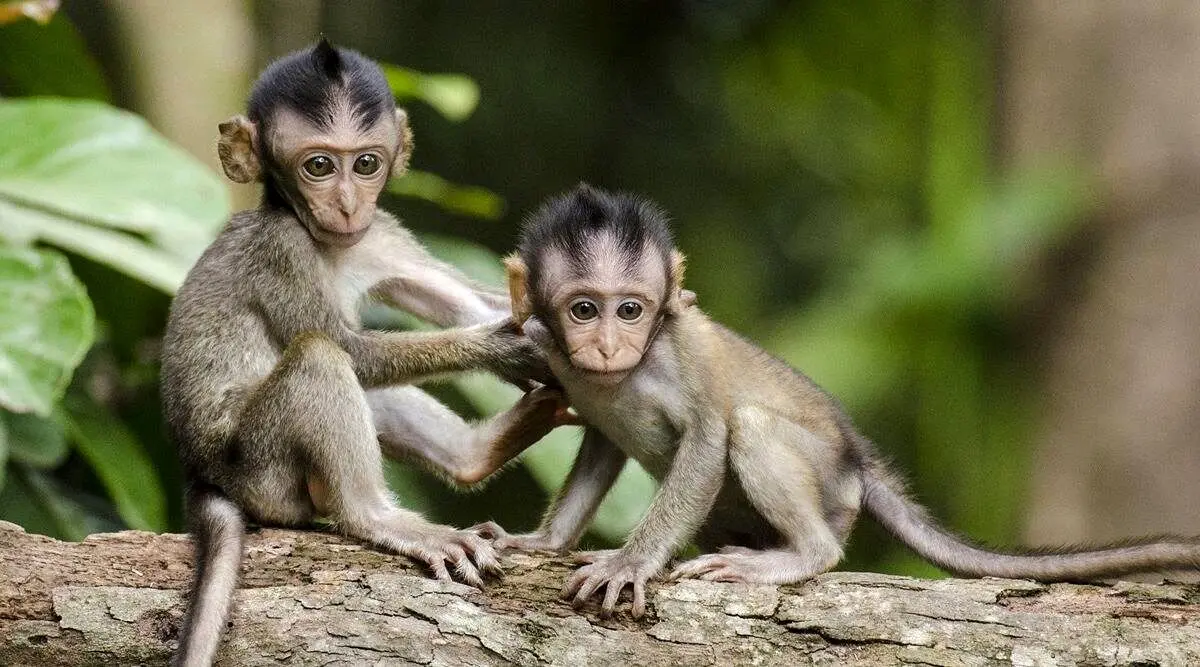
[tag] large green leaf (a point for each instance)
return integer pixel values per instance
(37, 441)
(89, 162)
(46, 325)
(120, 461)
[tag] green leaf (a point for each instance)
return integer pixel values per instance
(37, 441)
(88, 162)
(550, 460)
(49, 59)
(455, 96)
(123, 252)
(39, 504)
(120, 462)
(46, 326)
(465, 199)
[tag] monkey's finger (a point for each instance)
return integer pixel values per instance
(468, 574)
(438, 564)
(736, 550)
(573, 583)
(611, 594)
(488, 530)
(639, 599)
(564, 417)
(483, 554)
(590, 586)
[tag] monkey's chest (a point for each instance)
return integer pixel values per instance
(637, 423)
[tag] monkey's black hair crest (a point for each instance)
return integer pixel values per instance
(311, 81)
(569, 222)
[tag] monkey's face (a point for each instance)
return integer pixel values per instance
(332, 177)
(605, 313)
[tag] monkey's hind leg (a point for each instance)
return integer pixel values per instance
(778, 464)
(414, 426)
(313, 403)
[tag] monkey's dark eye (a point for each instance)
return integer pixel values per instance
(629, 311)
(367, 164)
(319, 166)
(582, 311)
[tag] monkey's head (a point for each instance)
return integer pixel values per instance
(323, 134)
(600, 271)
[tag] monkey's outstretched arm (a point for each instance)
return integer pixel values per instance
(594, 472)
(434, 290)
(684, 500)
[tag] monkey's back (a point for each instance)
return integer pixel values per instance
(217, 343)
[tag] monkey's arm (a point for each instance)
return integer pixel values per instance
(681, 505)
(434, 290)
(592, 475)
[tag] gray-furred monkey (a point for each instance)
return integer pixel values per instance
(278, 400)
(753, 458)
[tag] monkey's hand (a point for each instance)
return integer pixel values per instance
(436, 545)
(536, 541)
(515, 358)
(613, 569)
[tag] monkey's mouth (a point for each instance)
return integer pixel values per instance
(342, 239)
(604, 377)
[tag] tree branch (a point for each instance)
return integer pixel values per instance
(315, 598)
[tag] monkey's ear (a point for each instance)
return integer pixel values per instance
(404, 144)
(518, 288)
(678, 298)
(238, 150)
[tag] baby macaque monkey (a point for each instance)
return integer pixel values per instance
(280, 403)
(755, 461)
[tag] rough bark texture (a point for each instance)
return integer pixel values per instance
(312, 598)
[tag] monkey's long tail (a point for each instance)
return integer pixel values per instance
(219, 528)
(885, 499)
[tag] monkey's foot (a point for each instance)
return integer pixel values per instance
(612, 569)
(742, 565)
(437, 546)
(501, 539)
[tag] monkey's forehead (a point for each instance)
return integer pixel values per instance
(291, 131)
(603, 265)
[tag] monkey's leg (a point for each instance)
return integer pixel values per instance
(312, 405)
(412, 425)
(775, 461)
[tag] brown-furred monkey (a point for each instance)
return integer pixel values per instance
(753, 458)
(279, 401)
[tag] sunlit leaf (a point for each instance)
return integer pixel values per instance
(46, 325)
(90, 162)
(38, 441)
(455, 96)
(465, 199)
(120, 462)
(119, 250)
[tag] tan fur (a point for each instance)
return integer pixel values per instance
(753, 458)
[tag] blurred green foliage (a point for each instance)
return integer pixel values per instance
(829, 166)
